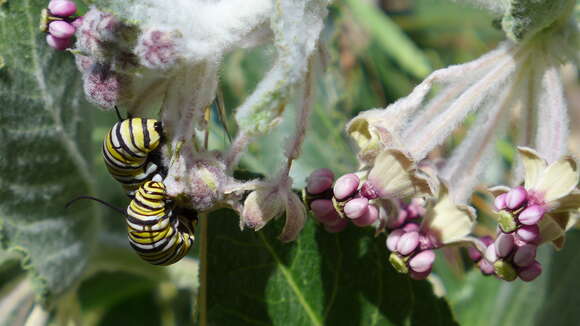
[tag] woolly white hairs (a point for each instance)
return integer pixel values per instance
(495, 6)
(208, 28)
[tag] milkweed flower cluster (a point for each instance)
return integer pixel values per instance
(60, 23)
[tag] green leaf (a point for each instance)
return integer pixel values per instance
(524, 18)
(321, 279)
(43, 147)
(392, 39)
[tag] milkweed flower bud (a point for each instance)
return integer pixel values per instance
(356, 207)
(491, 253)
(61, 29)
(475, 254)
(516, 197)
(345, 186)
(504, 245)
(319, 181)
(531, 272)
(423, 261)
(157, 49)
(322, 207)
(500, 202)
(418, 276)
(408, 243)
(525, 255)
(528, 233)
(62, 8)
(58, 43)
(102, 86)
(393, 239)
(531, 215)
(485, 267)
(369, 218)
(77, 22)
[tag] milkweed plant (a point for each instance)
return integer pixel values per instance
(417, 199)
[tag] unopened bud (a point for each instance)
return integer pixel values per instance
(485, 267)
(356, 207)
(419, 275)
(531, 272)
(62, 8)
(58, 43)
(491, 254)
(423, 261)
(340, 225)
(61, 29)
(345, 186)
(393, 239)
(516, 197)
(504, 244)
(408, 243)
(369, 218)
(528, 233)
(525, 255)
(531, 215)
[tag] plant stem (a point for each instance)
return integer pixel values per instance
(202, 296)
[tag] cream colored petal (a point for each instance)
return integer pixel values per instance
(295, 218)
(395, 175)
(468, 241)
(571, 202)
(552, 228)
(371, 132)
(449, 222)
(534, 166)
(498, 190)
(558, 180)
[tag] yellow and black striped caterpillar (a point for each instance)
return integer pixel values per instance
(159, 236)
(126, 151)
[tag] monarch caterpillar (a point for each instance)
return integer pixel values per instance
(127, 152)
(159, 236)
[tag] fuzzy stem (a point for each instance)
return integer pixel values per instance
(236, 150)
(202, 295)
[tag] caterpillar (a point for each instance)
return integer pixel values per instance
(127, 151)
(159, 236)
(160, 233)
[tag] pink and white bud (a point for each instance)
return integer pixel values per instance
(500, 202)
(504, 244)
(393, 239)
(369, 218)
(416, 208)
(337, 227)
(530, 273)
(475, 254)
(318, 185)
(422, 261)
(62, 8)
(419, 275)
(528, 233)
(102, 87)
(58, 43)
(408, 243)
(516, 197)
(531, 215)
(491, 254)
(485, 267)
(356, 207)
(322, 172)
(410, 227)
(525, 255)
(61, 29)
(346, 186)
(427, 241)
(321, 207)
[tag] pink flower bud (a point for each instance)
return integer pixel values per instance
(525, 255)
(419, 275)
(500, 202)
(369, 191)
(485, 267)
(345, 186)
(62, 8)
(318, 185)
(415, 209)
(337, 227)
(158, 49)
(422, 261)
(529, 233)
(516, 197)
(322, 207)
(58, 43)
(487, 240)
(323, 172)
(427, 241)
(356, 207)
(393, 239)
(102, 87)
(504, 244)
(490, 253)
(531, 215)
(410, 227)
(408, 243)
(370, 217)
(331, 218)
(474, 254)
(78, 22)
(61, 29)
(531, 272)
